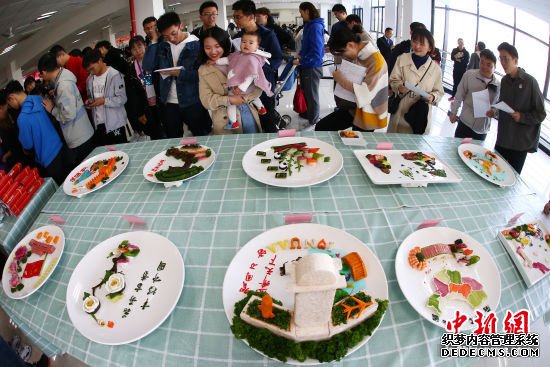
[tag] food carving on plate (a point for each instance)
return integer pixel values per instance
(321, 310)
(529, 246)
(189, 154)
(350, 134)
(425, 163)
(379, 161)
(418, 257)
(486, 163)
(289, 159)
(114, 282)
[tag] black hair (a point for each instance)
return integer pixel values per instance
(3, 97)
(167, 20)
(76, 52)
(207, 4)
(263, 11)
(388, 29)
(246, 6)
(415, 25)
(489, 55)
(56, 50)
(339, 8)
(353, 18)
(311, 9)
(136, 39)
(47, 62)
(28, 81)
(86, 50)
(505, 46)
(481, 46)
(421, 34)
(91, 58)
(148, 20)
(13, 87)
(104, 43)
(341, 37)
(220, 36)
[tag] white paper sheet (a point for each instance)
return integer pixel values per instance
(354, 73)
(164, 76)
(503, 106)
(481, 102)
(416, 90)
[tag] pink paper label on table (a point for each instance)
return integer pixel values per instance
(188, 141)
(514, 219)
(110, 147)
(384, 146)
(57, 219)
(429, 223)
(466, 140)
(134, 219)
(298, 218)
(287, 133)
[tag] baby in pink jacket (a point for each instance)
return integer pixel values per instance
(245, 72)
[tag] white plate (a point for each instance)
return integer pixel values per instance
(31, 285)
(161, 161)
(80, 189)
(416, 284)
(419, 178)
(308, 175)
(154, 248)
(536, 250)
(506, 177)
(357, 140)
(375, 284)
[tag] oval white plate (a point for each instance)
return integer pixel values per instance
(154, 248)
(416, 284)
(507, 177)
(375, 283)
(162, 161)
(308, 175)
(80, 189)
(31, 285)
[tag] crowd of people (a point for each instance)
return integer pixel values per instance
(218, 81)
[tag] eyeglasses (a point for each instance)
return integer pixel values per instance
(504, 58)
(238, 17)
(209, 15)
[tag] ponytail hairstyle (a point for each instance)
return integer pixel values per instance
(341, 38)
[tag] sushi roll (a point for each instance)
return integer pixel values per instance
(277, 155)
(115, 284)
(91, 305)
(283, 166)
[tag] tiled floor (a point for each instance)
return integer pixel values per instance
(535, 164)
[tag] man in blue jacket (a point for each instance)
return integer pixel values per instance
(244, 12)
(179, 88)
(36, 132)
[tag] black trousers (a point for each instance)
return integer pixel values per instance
(268, 121)
(514, 157)
(196, 117)
(457, 77)
(117, 136)
(78, 154)
(340, 119)
(58, 168)
(463, 131)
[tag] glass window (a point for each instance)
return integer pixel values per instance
(465, 5)
(439, 27)
(497, 10)
(532, 25)
(536, 66)
(463, 26)
(493, 34)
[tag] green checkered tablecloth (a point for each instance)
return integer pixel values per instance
(197, 333)
(13, 229)
(226, 189)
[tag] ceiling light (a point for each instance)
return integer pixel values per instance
(43, 17)
(8, 49)
(75, 41)
(174, 4)
(107, 26)
(48, 14)
(79, 33)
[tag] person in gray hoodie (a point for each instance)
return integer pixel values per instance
(67, 108)
(106, 97)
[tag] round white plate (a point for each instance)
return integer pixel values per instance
(31, 285)
(80, 189)
(416, 284)
(139, 322)
(161, 161)
(308, 175)
(506, 176)
(375, 284)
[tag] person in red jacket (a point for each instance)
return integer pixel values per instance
(74, 65)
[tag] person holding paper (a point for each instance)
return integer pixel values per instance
(418, 69)
(519, 131)
(369, 111)
(474, 123)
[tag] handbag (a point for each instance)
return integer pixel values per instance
(417, 116)
(393, 103)
(300, 105)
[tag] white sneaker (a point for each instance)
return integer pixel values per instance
(25, 353)
(309, 127)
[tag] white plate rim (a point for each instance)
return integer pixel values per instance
(67, 190)
(162, 154)
(251, 154)
(27, 238)
(502, 162)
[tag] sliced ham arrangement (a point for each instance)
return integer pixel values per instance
(41, 248)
